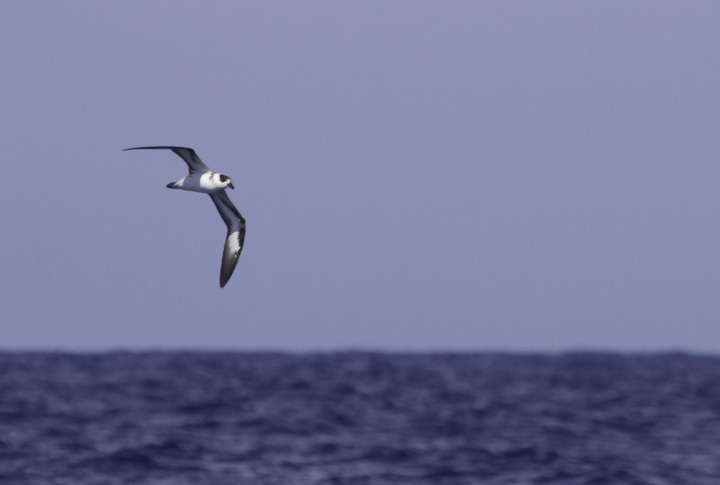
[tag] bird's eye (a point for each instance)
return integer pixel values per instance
(224, 178)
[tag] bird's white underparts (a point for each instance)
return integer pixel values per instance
(202, 179)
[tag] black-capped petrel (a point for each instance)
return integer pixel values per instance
(202, 179)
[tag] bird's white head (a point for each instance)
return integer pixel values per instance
(226, 181)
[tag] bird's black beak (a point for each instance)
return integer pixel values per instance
(231, 186)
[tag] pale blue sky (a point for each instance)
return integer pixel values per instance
(415, 175)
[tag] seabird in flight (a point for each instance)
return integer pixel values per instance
(202, 179)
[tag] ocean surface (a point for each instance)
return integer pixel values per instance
(358, 418)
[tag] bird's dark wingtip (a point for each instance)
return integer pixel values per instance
(224, 279)
(159, 148)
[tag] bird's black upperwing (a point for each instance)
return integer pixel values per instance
(188, 154)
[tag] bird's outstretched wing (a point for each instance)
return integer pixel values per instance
(235, 223)
(188, 154)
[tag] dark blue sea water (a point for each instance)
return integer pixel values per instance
(358, 418)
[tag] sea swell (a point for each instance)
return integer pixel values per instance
(358, 418)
